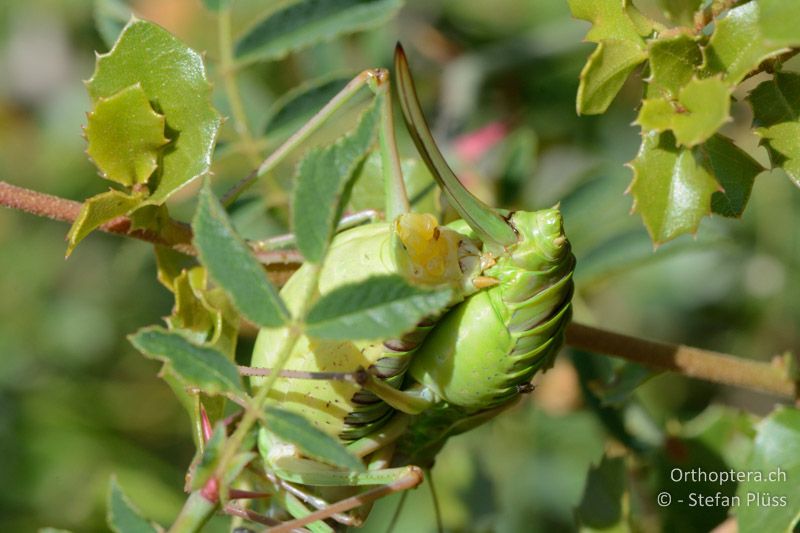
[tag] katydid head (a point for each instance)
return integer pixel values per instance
(492, 229)
(542, 238)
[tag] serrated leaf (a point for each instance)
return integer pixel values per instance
(605, 504)
(110, 16)
(98, 210)
(680, 11)
(737, 45)
(197, 366)
(604, 73)
(312, 442)
(671, 189)
(323, 177)
(612, 19)
(173, 77)
(297, 106)
(307, 22)
(122, 516)
(777, 21)
(776, 450)
(776, 110)
(125, 136)
(377, 308)
(674, 62)
(735, 171)
(230, 263)
(702, 107)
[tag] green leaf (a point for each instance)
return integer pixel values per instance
(703, 106)
(612, 19)
(110, 17)
(197, 366)
(230, 263)
(98, 210)
(377, 308)
(307, 22)
(312, 442)
(173, 78)
(122, 516)
(323, 178)
(671, 189)
(680, 11)
(737, 45)
(776, 450)
(125, 136)
(674, 62)
(605, 503)
(776, 110)
(777, 22)
(296, 107)
(735, 171)
(209, 460)
(604, 73)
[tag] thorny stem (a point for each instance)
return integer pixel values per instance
(300, 135)
(228, 73)
(692, 362)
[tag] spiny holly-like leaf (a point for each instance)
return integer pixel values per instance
(323, 177)
(735, 171)
(173, 78)
(379, 307)
(612, 19)
(776, 110)
(701, 108)
(230, 263)
(197, 366)
(98, 210)
(671, 189)
(294, 108)
(776, 451)
(125, 136)
(680, 11)
(777, 21)
(604, 73)
(605, 505)
(311, 441)
(674, 62)
(122, 516)
(738, 45)
(307, 22)
(110, 16)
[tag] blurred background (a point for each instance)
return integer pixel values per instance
(499, 78)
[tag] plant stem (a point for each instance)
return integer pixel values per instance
(228, 73)
(300, 135)
(177, 235)
(692, 362)
(195, 512)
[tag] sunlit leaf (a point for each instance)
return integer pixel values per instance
(312, 442)
(379, 307)
(735, 171)
(674, 62)
(98, 210)
(122, 516)
(777, 21)
(307, 22)
(294, 108)
(322, 182)
(671, 189)
(701, 108)
(173, 78)
(230, 263)
(197, 366)
(776, 110)
(737, 45)
(773, 504)
(125, 136)
(604, 73)
(612, 19)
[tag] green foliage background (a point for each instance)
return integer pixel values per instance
(78, 403)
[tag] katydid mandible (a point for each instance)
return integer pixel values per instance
(463, 369)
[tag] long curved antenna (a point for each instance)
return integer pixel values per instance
(490, 227)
